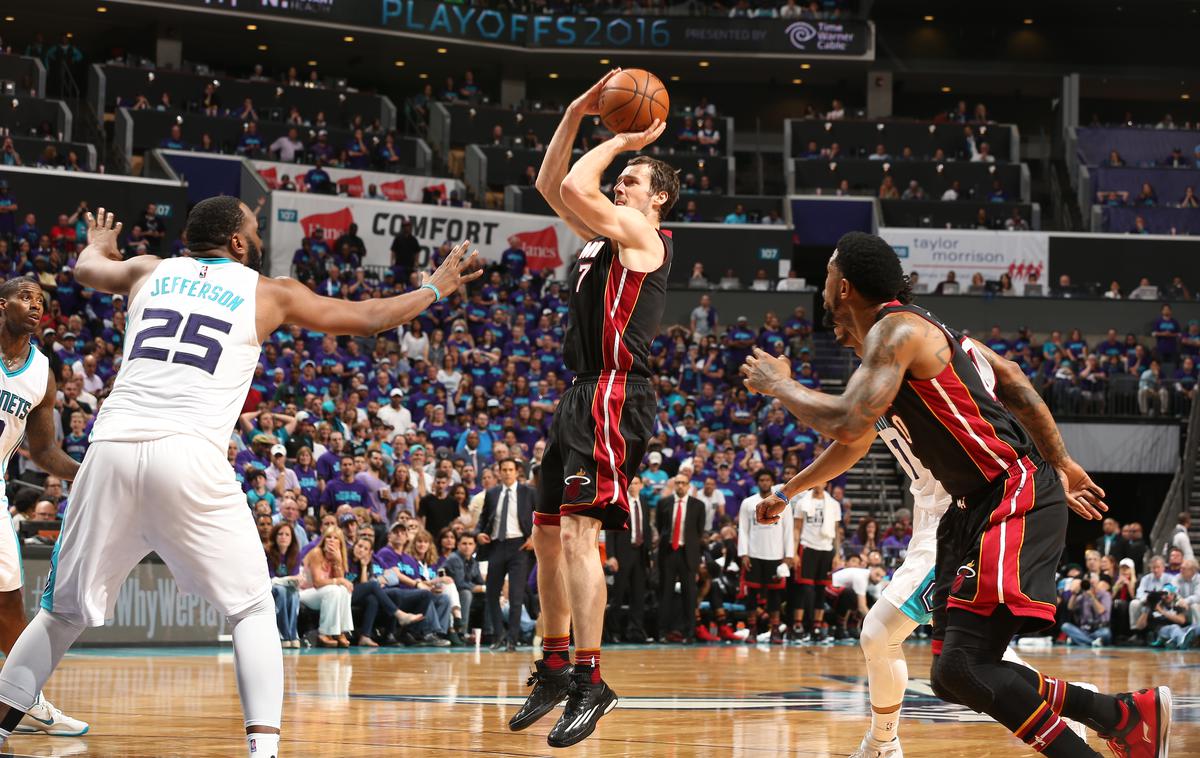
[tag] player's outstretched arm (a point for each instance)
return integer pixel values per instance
(40, 438)
(582, 196)
(287, 301)
(1018, 395)
(836, 460)
(558, 154)
(890, 348)
(100, 265)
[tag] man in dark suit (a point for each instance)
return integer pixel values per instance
(680, 528)
(505, 526)
(629, 557)
(1111, 542)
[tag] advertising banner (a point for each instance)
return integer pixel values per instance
(933, 253)
(713, 35)
(151, 609)
(548, 242)
(356, 182)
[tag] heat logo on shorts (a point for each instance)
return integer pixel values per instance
(573, 484)
(964, 572)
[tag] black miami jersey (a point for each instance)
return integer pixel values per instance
(613, 313)
(953, 421)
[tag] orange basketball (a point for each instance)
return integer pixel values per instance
(631, 100)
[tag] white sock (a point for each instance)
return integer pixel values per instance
(884, 726)
(262, 745)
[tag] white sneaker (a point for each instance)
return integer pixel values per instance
(45, 718)
(873, 748)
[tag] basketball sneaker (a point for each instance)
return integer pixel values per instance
(587, 702)
(45, 718)
(549, 689)
(1147, 729)
(873, 748)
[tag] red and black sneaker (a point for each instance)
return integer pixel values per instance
(704, 634)
(1146, 730)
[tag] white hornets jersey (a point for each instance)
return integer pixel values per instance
(190, 351)
(21, 390)
(930, 499)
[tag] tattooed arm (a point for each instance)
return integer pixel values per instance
(1014, 390)
(890, 348)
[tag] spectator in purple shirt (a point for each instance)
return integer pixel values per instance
(345, 490)
(329, 464)
(373, 478)
(257, 454)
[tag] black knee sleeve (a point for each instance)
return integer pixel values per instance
(955, 679)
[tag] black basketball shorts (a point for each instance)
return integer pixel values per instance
(764, 573)
(1002, 546)
(597, 441)
(816, 567)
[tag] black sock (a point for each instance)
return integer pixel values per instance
(1101, 713)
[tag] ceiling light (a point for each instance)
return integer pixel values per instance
(1185, 96)
(101, 9)
(797, 81)
(442, 51)
(399, 64)
(945, 88)
(553, 75)
(1028, 22)
(674, 77)
(806, 66)
(312, 63)
(422, 76)
(262, 47)
(604, 61)
(10, 18)
(929, 18)
(703, 64)
(251, 27)
(347, 38)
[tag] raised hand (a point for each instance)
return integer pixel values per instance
(638, 140)
(589, 102)
(456, 270)
(102, 233)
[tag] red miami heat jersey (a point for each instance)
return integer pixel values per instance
(953, 422)
(613, 313)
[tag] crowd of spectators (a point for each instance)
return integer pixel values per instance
(1118, 596)
(49, 157)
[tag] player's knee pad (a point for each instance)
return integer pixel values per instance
(264, 606)
(874, 638)
(955, 680)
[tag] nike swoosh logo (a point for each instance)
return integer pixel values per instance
(47, 722)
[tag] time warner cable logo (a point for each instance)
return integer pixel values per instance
(801, 33)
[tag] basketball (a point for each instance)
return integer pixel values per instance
(631, 100)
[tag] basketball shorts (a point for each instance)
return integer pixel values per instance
(764, 574)
(599, 435)
(816, 567)
(911, 586)
(175, 496)
(1001, 546)
(12, 571)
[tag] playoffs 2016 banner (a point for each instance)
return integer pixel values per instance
(548, 242)
(934, 253)
(356, 183)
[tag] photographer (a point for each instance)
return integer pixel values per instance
(1165, 621)
(1152, 582)
(1090, 610)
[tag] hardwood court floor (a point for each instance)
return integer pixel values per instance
(676, 702)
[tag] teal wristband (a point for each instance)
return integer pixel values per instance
(437, 295)
(778, 492)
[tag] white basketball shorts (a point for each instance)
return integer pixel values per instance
(175, 496)
(12, 572)
(911, 587)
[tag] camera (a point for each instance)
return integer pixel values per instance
(1085, 585)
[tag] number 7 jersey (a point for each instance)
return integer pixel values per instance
(190, 352)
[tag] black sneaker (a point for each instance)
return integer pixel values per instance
(586, 703)
(549, 689)
(432, 640)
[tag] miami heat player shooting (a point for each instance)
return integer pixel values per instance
(156, 477)
(605, 419)
(999, 544)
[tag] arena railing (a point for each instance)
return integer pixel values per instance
(1179, 496)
